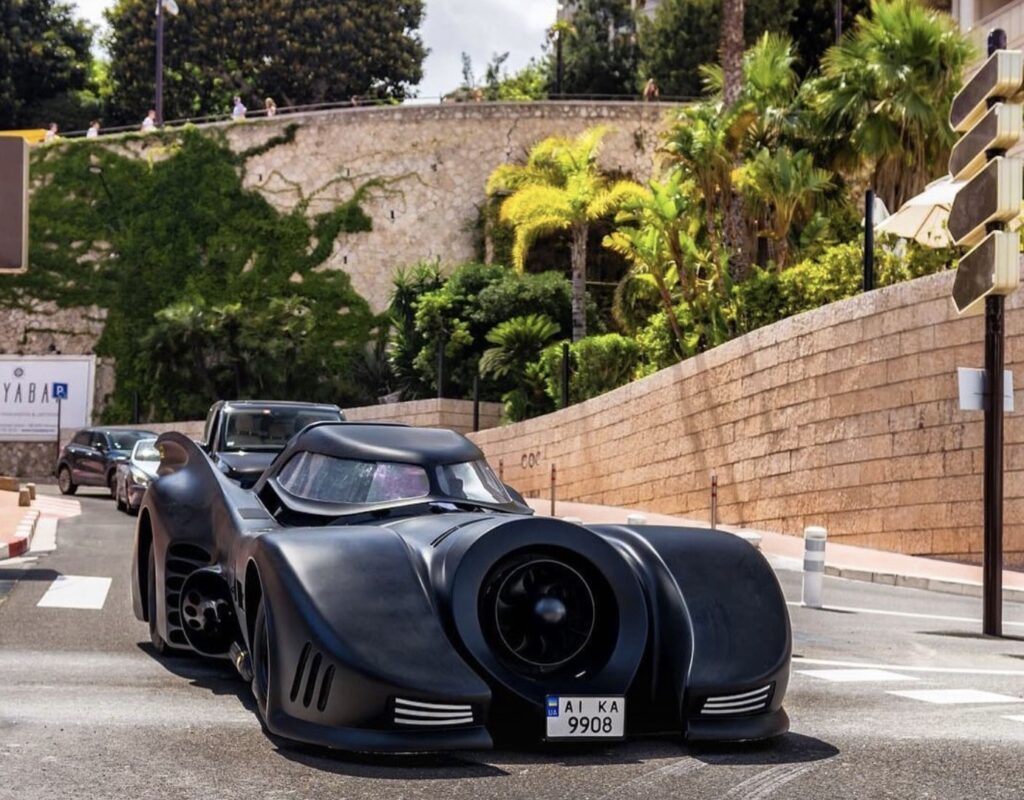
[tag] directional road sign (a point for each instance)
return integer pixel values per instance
(998, 130)
(60, 391)
(991, 268)
(1001, 76)
(993, 195)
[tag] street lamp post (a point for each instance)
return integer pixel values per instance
(160, 62)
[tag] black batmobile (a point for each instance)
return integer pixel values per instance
(384, 591)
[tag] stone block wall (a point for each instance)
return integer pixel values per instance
(846, 416)
(434, 161)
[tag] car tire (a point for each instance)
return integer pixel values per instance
(158, 642)
(64, 481)
(261, 660)
(112, 483)
(119, 500)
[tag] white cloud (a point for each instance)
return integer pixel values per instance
(478, 27)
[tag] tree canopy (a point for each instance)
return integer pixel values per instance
(598, 53)
(296, 51)
(44, 57)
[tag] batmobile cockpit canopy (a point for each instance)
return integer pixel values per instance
(338, 469)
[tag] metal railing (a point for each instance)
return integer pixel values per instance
(359, 103)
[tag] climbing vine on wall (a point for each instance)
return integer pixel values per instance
(209, 290)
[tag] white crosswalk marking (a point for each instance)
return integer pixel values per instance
(76, 591)
(955, 696)
(855, 675)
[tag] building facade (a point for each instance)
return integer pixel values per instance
(978, 17)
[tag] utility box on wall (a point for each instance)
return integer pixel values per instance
(13, 204)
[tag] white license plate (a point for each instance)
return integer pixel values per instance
(585, 717)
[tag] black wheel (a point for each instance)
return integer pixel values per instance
(120, 501)
(64, 482)
(261, 660)
(154, 636)
(112, 483)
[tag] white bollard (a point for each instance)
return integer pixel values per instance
(636, 519)
(814, 565)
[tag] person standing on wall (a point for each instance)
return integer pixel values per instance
(238, 111)
(94, 130)
(270, 107)
(149, 123)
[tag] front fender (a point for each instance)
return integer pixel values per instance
(351, 614)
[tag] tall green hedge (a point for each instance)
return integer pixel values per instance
(140, 235)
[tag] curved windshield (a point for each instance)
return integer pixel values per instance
(125, 440)
(270, 428)
(313, 476)
(472, 480)
(145, 450)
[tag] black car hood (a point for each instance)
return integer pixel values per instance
(251, 464)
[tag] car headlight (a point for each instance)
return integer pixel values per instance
(140, 477)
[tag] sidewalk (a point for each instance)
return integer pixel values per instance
(17, 524)
(841, 560)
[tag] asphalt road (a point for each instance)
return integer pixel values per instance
(87, 710)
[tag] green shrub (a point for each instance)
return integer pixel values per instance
(598, 364)
(463, 310)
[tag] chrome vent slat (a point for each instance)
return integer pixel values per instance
(738, 703)
(438, 715)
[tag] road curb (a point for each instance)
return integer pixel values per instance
(22, 536)
(943, 585)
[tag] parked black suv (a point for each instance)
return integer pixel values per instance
(244, 436)
(92, 456)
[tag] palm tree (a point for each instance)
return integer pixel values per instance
(517, 342)
(704, 144)
(560, 188)
(732, 51)
(885, 91)
(778, 186)
(655, 235)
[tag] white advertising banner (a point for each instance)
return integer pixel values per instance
(30, 387)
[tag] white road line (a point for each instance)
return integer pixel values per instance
(76, 591)
(45, 540)
(956, 696)
(904, 668)
(1015, 718)
(856, 675)
(907, 614)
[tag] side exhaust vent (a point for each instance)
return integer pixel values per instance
(182, 561)
(435, 715)
(736, 704)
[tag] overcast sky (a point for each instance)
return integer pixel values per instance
(478, 27)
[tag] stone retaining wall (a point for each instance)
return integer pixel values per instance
(846, 416)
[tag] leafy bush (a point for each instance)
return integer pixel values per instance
(462, 311)
(598, 364)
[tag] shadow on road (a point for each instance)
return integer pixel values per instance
(793, 748)
(400, 767)
(48, 575)
(218, 677)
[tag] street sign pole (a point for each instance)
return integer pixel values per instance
(57, 457)
(987, 112)
(992, 569)
(992, 616)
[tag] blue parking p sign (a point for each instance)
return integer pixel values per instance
(60, 391)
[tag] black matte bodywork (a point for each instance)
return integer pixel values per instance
(369, 609)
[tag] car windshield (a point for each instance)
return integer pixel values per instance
(145, 450)
(269, 428)
(314, 476)
(472, 480)
(125, 440)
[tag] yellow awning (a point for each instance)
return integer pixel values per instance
(30, 136)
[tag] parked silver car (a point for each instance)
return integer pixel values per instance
(134, 475)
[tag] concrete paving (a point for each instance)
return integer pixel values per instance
(87, 710)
